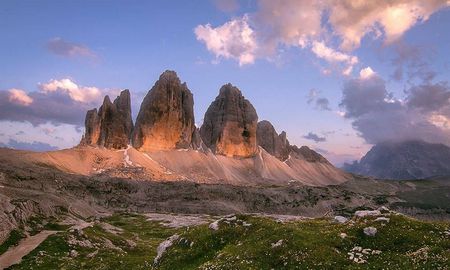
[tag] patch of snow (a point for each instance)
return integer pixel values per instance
(277, 244)
(126, 157)
(370, 231)
(367, 213)
(164, 246)
(340, 219)
(289, 157)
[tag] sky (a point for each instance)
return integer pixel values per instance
(337, 76)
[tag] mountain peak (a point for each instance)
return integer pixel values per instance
(229, 126)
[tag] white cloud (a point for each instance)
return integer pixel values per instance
(19, 97)
(288, 22)
(366, 73)
(351, 20)
(303, 23)
(76, 92)
(332, 56)
(234, 39)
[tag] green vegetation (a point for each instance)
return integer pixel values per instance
(13, 239)
(130, 241)
(131, 244)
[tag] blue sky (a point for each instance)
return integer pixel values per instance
(293, 68)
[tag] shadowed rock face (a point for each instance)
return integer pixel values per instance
(307, 154)
(274, 144)
(279, 146)
(229, 126)
(404, 160)
(92, 127)
(111, 127)
(166, 117)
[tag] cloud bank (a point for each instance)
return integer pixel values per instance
(314, 25)
(57, 101)
(378, 116)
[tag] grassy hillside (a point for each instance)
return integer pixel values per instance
(130, 241)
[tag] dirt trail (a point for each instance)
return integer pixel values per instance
(15, 254)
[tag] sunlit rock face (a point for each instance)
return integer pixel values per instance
(166, 117)
(229, 126)
(112, 125)
(274, 144)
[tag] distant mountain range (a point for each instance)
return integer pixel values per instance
(404, 160)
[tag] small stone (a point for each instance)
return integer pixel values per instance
(370, 231)
(343, 235)
(73, 253)
(382, 219)
(367, 213)
(277, 244)
(340, 219)
(215, 225)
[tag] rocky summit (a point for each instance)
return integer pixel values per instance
(230, 122)
(274, 144)
(404, 160)
(166, 117)
(112, 125)
(279, 146)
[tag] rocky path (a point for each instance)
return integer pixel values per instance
(15, 254)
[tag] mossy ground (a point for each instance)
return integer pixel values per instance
(248, 242)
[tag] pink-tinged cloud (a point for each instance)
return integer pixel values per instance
(65, 48)
(19, 97)
(306, 24)
(233, 40)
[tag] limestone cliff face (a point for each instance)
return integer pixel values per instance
(166, 117)
(274, 144)
(92, 127)
(229, 126)
(112, 125)
(307, 154)
(279, 146)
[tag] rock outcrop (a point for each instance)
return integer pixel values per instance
(229, 126)
(279, 146)
(166, 117)
(307, 154)
(112, 125)
(274, 144)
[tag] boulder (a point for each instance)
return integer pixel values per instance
(166, 117)
(229, 126)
